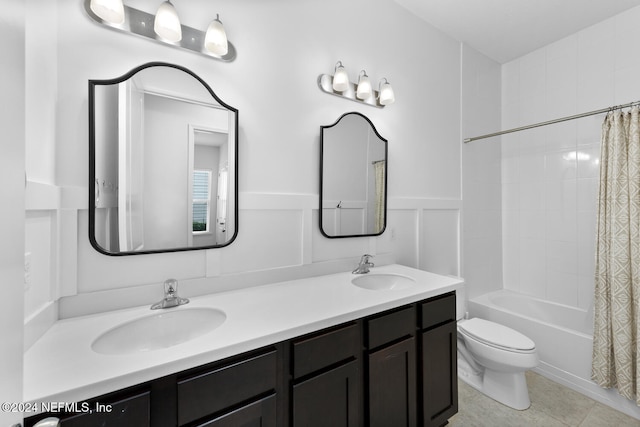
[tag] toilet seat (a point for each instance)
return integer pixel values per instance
(496, 335)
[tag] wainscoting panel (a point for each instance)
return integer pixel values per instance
(267, 238)
(278, 239)
(440, 249)
(324, 249)
(403, 235)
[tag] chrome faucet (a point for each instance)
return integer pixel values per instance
(171, 298)
(364, 265)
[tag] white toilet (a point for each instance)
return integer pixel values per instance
(493, 358)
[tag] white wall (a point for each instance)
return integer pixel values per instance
(12, 123)
(282, 48)
(550, 174)
(482, 220)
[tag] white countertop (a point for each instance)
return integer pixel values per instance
(62, 367)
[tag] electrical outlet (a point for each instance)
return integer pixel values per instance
(27, 271)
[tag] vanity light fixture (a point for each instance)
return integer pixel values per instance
(364, 86)
(362, 92)
(340, 78)
(215, 41)
(167, 23)
(111, 11)
(163, 27)
(386, 92)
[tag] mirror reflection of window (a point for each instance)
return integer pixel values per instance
(201, 200)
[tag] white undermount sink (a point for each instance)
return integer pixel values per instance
(383, 281)
(166, 328)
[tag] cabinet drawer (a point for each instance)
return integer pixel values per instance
(318, 351)
(438, 310)
(390, 327)
(213, 391)
(128, 412)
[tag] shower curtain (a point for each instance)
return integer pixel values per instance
(616, 352)
(379, 175)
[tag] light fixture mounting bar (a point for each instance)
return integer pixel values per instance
(325, 83)
(140, 23)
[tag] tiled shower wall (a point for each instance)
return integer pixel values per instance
(550, 174)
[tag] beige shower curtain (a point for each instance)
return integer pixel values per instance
(379, 168)
(616, 361)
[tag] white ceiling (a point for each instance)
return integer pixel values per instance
(507, 29)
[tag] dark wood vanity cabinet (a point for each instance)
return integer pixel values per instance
(326, 380)
(439, 366)
(392, 369)
(396, 368)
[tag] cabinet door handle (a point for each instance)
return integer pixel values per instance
(48, 422)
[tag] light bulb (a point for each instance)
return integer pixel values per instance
(111, 11)
(364, 86)
(386, 96)
(215, 41)
(167, 23)
(340, 78)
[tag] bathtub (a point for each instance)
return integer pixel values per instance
(563, 337)
(563, 334)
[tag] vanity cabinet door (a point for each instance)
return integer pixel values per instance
(327, 379)
(392, 385)
(257, 414)
(440, 374)
(328, 399)
(392, 368)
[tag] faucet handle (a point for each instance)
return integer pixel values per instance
(170, 287)
(365, 258)
(171, 298)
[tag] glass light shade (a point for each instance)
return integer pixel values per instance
(386, 96)
(111, 11)
(167, 23)
(364, 86)
(215, 41)
(340, 78)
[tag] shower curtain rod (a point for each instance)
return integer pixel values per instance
(550, 122)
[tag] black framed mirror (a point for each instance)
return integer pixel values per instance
(353, 178)
(163, 163)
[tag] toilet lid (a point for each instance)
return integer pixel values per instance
(495, 334)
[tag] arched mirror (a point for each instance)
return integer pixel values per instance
(353, 178)
(162, 163)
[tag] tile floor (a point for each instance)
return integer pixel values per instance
(552, 405)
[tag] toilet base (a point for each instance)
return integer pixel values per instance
(508, 388)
